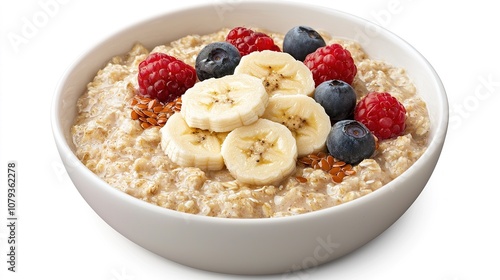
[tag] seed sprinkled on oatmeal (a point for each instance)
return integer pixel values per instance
(336, 168)
(151, 112)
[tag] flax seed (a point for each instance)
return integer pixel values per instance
(349, 172)
(301, 179)
(330, 159)
(313, 157)
(337, 178)
(324, 164)
(157, 109)
(152, 104)
(150, 114)
(152, 121)
(334, 170)
(315, 164)
(134, 115)
(338, 164)
(347, 167)
(305, 160)
(165, 110)
(139, 112)
(144, 100)
(321, 155)
(145, 125)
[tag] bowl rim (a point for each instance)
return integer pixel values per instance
(435, 141)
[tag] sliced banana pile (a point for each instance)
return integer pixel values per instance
(255, 122)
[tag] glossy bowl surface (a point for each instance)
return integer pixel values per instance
(252, 246)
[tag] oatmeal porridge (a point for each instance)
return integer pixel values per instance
(117, 140)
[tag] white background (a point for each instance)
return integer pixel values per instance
(450, 233)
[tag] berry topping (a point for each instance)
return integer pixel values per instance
(331, 62)
(301, 41)
(247, 40)
(350, 141)
(217, 60)
(337, 97)
(164, 77)
(382, 113)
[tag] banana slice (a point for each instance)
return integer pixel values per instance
(304, 117)
(223, 104)
(192, 147)
(261, 153)
(279, 71)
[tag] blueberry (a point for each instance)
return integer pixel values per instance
(216, 60)
(338, 99)
(301, 41)
(350, 141)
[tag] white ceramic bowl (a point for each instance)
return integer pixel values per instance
(252, 246)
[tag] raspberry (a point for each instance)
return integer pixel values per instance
(247, 40)
(164, 77)
(382, 114)
(331, 62)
